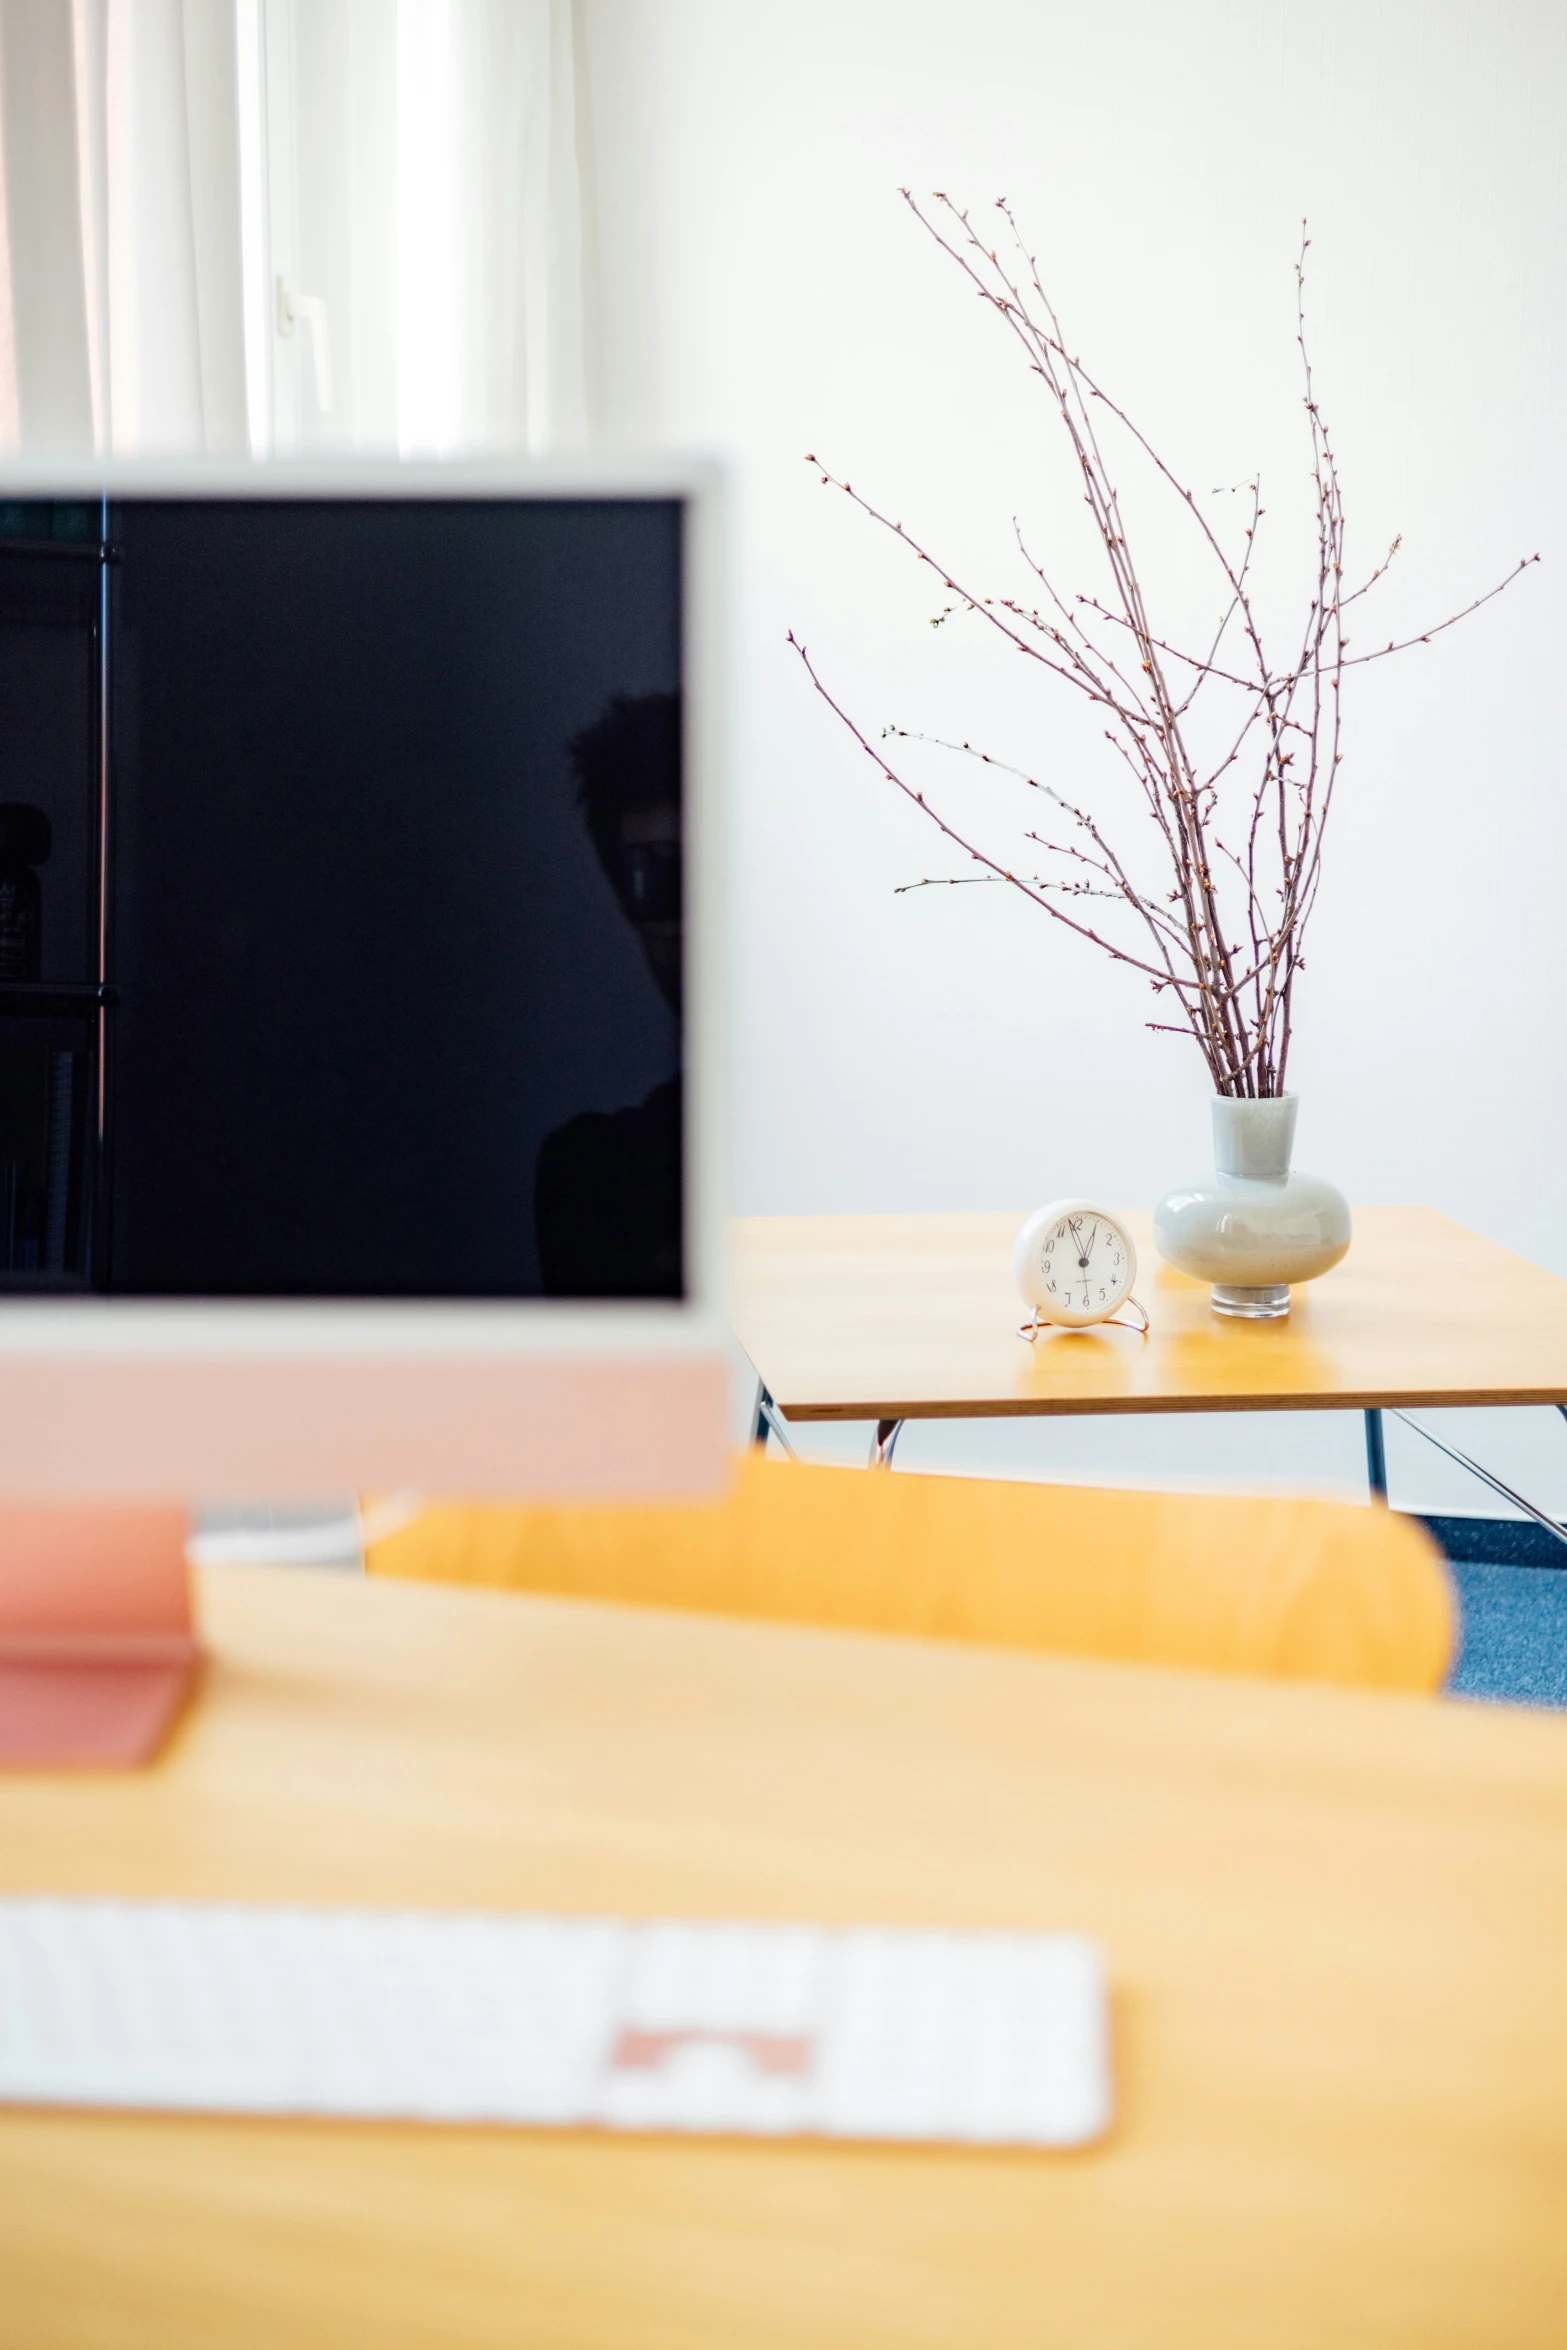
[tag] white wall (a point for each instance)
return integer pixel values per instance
(761, 292)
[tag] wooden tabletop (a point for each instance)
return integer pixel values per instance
(1336, 1927)
(916, 1317)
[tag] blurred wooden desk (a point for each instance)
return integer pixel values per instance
(915, 1317)
(1336, 1925)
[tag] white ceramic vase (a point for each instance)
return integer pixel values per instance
(1253, 1226)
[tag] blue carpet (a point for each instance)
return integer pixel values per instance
(1512, 1645)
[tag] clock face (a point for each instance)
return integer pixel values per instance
(1075, 1264)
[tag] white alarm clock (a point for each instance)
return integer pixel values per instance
(1075, 1264)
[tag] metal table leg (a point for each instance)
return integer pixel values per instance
(886, 1436)
(1487, 1478)
(1376, 1467)
(1376, 1457)
(769, 1421)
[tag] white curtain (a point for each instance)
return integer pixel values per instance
(121, 321)
(289, 225)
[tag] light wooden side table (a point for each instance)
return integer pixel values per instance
(894, 1318)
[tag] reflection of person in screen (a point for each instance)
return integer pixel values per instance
(607, 1195)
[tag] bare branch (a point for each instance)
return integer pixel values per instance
(1358, 660)
(1241, 847)
(980, 858)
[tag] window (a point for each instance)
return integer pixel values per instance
(410, 211)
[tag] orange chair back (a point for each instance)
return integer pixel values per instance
(1301, 1590)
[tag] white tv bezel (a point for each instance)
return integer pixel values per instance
(471, 1330)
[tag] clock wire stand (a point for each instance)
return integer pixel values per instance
(1033, 1330)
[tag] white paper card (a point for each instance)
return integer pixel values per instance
(874, 2033)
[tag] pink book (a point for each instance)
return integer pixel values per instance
(97, 1649)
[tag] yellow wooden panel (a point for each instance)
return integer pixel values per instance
(1312, 1590)
(893, 1317)
(1335, 1924)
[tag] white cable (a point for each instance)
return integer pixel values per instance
(324, 1543)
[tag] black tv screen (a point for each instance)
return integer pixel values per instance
(385, 809)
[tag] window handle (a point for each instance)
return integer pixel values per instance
(308, 310)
